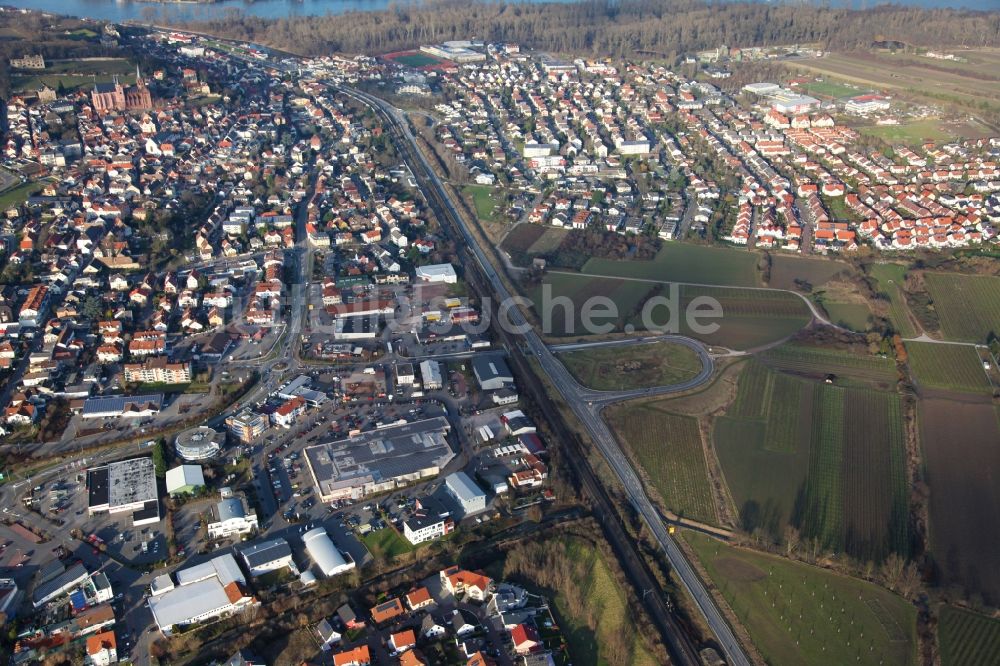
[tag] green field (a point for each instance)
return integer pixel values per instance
(750, 317)
(386, 544)
(587, 602)
(797, 614)
(826, 459)
(913, 134)
(832, 89)
(950, 367)
(890, 278)
(967, 638)
(818, 362)
(682, 262)
(621, 368)
(668, 449)
(484, 199)
(416, 60)
(853, 316)
(786, 269)
(19, 194)
(967, 305)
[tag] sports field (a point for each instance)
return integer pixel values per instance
(967, 638)
(825, 458)
(798, 614)
(668, 449)
(682, 262)
(914, 133)
(950, 367)
(832, 88)
(890, 278)
(967, 305)
(962, 463)
(633, 366)
(414, 59)
(922, 77)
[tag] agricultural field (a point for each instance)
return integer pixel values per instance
(786, 269)
(621, 368)
(890, 277)
(948, 367)
(681, 262)
(799, 614)
(827, 459)
(668, 449)
(968, 305)
(818, 362)
(751, 318)
(962, 462)
(967, 638)
(484, 199)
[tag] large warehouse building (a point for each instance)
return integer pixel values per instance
(326, 556)
(203, 592)
(379, 460)
(126, 485)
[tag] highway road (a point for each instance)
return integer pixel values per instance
(588, 412)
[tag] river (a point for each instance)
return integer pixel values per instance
(123, 10)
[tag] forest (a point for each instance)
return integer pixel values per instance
(625, 28)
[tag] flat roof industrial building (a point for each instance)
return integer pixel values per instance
(203, 592)
(379, 460)
(126, 485)
(131, 406)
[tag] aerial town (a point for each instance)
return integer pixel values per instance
(265, 399)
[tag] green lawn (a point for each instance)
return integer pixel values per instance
(950, 367)
(912, 134)
(797, 614)
(484, 199)
(683, 262)
(386, 543)
(849, 315)
(891, 278)
(634, 366)
(596, 600)
(19, 194)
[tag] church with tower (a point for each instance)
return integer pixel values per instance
(114, 96)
